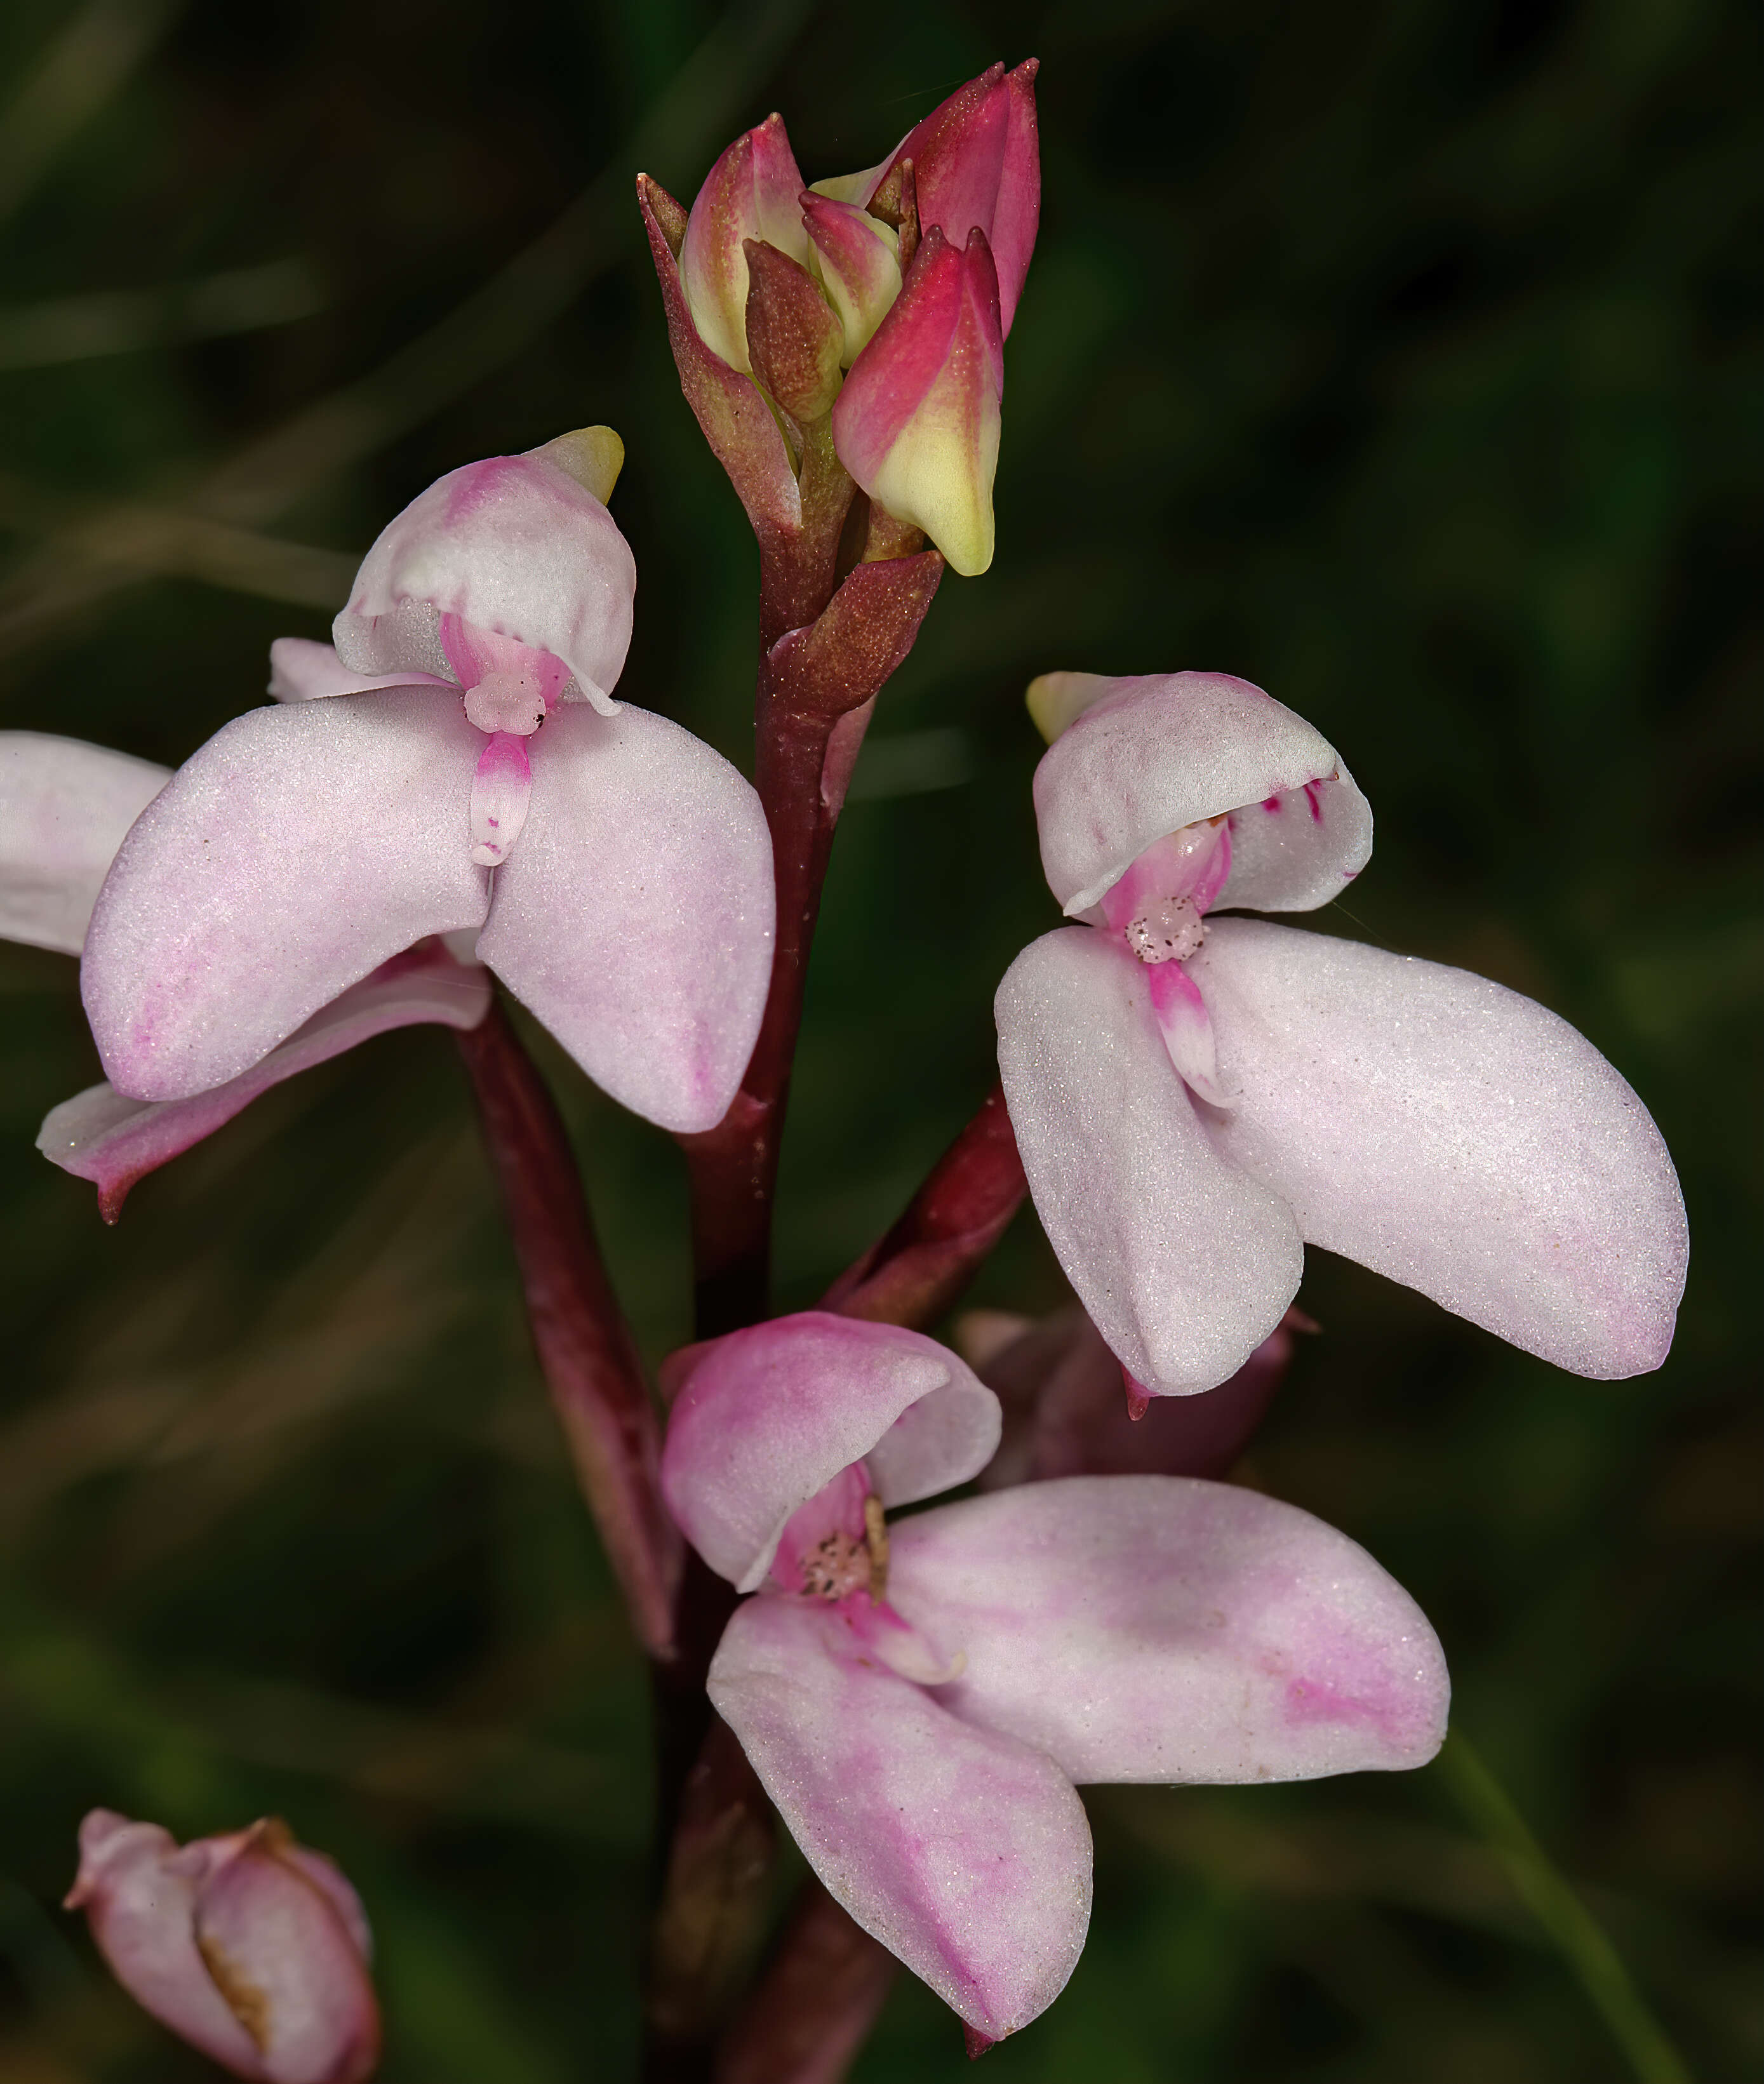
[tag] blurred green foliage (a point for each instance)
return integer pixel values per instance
(1400, 357)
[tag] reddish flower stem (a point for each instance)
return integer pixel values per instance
(813, 2007)
(913, 1274)
(586, 1351)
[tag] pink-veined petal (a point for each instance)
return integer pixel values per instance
(299, 849)
(66, 807)
(965, 1852)
(635, 916)
(768, 1417)
(102, 1135)
(1185, 1262)
(1452, 1135)
(301, 670)
(1165, 1629)
(140, 1901)
(514, 545)
(1160, 750)
(280, 1949)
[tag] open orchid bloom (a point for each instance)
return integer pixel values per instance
(251, 1948)
(455, 765)
(1195, 1098)
(65, 809)
(919, 1698)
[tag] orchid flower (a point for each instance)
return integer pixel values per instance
(920, 1698)
(66, 807)
(455, 765)
(1195, 1098)
(251, 1948)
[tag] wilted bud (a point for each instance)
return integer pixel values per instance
(751, 192)
(249, 1946)
(855, 258)
(917, 424)
(1066, 1412)
(977, 160)
(793, 338)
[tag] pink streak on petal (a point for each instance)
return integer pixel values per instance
(1154, 1627)
(1187, 1029)
(965, 1852)
(501, 791)
(474, 654)
(1182, 864)
(113, 1141)
(882, 1635)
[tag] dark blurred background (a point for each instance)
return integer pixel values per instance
(1397, 354)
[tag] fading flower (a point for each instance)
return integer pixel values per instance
(249, 1946)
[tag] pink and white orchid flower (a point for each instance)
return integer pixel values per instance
(920, 1698)
(455, 765)
(66, 808)
(249, 1946)
(1196, 1099)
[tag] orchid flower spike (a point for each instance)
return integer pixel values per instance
(66, 807)
(455, 765)
(919, 1698)
(251, 1948)
(1195, 1098)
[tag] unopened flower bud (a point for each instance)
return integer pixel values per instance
(917, 424)
(751, 192)
(251, 1948)
(794, 337)
(855, 257)
(977, 161)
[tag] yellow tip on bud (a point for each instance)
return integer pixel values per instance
(1056, 701)
(593, 457)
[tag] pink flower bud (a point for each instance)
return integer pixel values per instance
(855, 258)
(917, 424)
(976, 159)
(751, 192)
(251, 1947)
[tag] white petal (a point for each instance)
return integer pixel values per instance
(1165, 750)
(66, 807)
(1450, 1134)
(1185, 1263)
(635, 915)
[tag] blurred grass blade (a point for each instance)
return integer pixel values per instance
(685, 122)
(93, 56)
(1583, 1942)
(63, 329)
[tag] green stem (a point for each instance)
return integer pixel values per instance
(1547, 1894)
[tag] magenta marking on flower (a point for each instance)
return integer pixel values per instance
(477, 485)
(1273, 805)
(1313, 797)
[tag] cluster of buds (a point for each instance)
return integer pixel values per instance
(875, 305)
